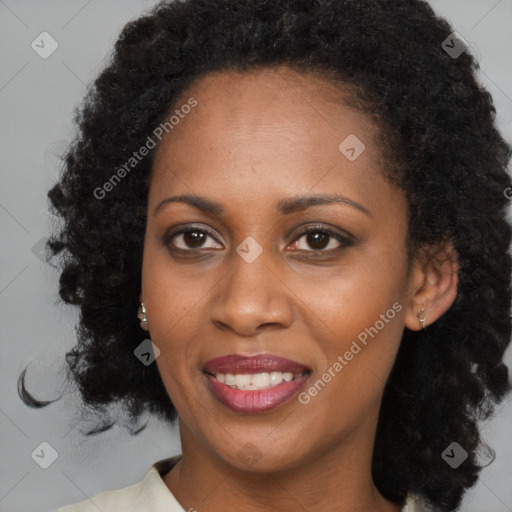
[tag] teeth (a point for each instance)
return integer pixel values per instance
(276, 378)
(250, 381)
(259, 380)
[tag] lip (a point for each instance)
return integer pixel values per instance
(237, 363)
(257, 400)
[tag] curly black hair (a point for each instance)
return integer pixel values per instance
(437, 130)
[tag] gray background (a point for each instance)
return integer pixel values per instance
(37, 97)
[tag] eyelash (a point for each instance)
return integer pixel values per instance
(345, 241)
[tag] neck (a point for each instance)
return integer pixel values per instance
(338, 480)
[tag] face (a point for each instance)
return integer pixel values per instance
(254, 267)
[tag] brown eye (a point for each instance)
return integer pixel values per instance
(194, 238)
(321, 240)
(191, 238)
(317, 240)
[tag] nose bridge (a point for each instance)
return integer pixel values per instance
(250, 270)
(252, 294)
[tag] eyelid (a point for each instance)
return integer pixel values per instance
(171, 233)
(344, 238)
(326, 228)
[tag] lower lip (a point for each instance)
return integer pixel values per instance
(256, 400)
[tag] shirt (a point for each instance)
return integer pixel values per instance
(152, 495)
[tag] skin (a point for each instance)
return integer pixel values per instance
(252, 140)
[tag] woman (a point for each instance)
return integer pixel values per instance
(284, 225)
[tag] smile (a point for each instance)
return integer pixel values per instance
(254, 384)
(256, 400)
(247, 381)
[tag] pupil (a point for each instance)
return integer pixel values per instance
(317, 240)
(194, 238)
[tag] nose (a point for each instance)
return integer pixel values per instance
(251, 298)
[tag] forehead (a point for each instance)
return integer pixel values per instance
(254, 140)
(266, 133)
(265, 111)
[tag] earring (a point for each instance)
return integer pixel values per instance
(141, 314)
(422, 317)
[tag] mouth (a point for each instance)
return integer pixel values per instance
(252, 381)
(254, 384)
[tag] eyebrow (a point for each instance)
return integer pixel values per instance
(284, 206)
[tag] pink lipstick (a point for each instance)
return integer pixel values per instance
(254, 384)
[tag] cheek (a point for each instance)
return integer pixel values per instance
(173, 305)
(173, 295)
(351, 299)
(357, 314)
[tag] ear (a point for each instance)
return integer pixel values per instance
(432, 285)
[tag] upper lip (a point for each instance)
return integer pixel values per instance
(240, 364)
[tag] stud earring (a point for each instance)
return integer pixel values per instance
(141, 314)
(422, 317)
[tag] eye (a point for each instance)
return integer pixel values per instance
(191, 238)
(321, 239)
(317, 238)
